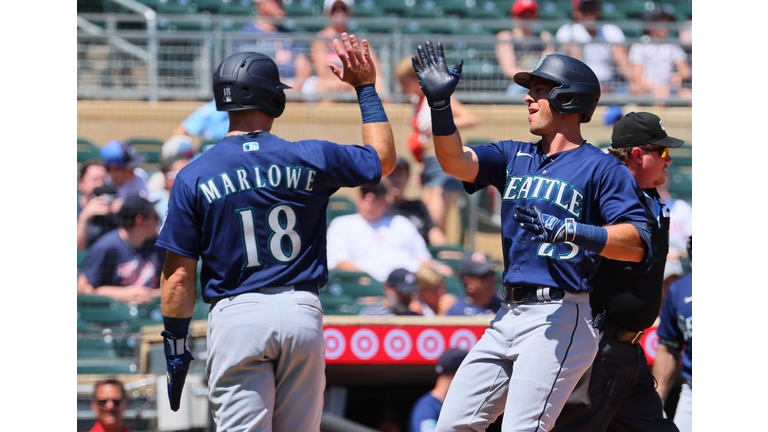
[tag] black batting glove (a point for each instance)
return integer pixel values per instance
(549, 228)
(177, 359)
(437, 82)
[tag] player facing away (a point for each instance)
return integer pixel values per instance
(253, 209)
(565, 205)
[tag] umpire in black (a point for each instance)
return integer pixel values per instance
(618, 392)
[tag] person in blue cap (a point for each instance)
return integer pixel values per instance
(425, 411)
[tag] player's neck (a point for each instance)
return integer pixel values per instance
(243, 122)
(560, 142)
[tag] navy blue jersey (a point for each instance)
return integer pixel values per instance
(424, 414)
(583, 183)
(253, 208)
(112, 262)
(676, 325)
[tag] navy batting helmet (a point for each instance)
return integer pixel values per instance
(578, 90)
(249, 80)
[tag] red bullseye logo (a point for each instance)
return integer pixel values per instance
(364, 344)
(463, 339)
(430, 344)
(334, 343)
(651, 342)
(398, 344)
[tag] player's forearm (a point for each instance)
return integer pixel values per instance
(377, 132)
(665, 368)
(624, 243)
(380, 137)
(178, 283)
(455, 158)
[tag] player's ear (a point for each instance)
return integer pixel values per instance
(636, 155)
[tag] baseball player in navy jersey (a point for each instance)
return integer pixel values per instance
(565, 205)
(617, 393)
(253, 209)
(676, 340)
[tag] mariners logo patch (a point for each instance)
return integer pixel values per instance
(662, 125)
(250, 146)
(541, 60)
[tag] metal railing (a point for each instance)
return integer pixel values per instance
(149, 56)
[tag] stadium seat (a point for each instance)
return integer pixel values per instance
(95, 345)
(237, 7)
(302, 8)
(394, 7)
(454, 286)
(680, 182)
(353, 283)
(451, 255)
(367, 9)
(82, 254)
(211, 6)
(338, 304)
(103, 311)
(87, 150)
(107, 366)
(149, 147)
(488, 10)
(339, 206)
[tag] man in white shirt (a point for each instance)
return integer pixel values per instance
(601, 46)
(373, 242)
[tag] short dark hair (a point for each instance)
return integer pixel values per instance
(109, 381)
(89, 163)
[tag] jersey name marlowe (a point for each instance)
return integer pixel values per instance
(243, 179)
(555, 191)
(256, 214)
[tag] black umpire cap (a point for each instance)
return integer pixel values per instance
(636, 129)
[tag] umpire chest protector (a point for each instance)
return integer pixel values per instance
(249, 80)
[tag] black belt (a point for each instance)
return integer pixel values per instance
(532, 294)
(620, 334)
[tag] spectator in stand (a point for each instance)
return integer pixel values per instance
(95, 208)
(374, 242)
(123, 163)
(478, 276)
(658, 66)
(426, 410)
(440, 191)
(431, 299)
(124, 263)
(108, 403)
(414, 210)
(519, 49)
(169, 167)
(601, 46)
(323, 53)
(399, 289)
(292, 63)
(205, 124)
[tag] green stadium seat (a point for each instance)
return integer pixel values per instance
(353, 283)
(338, 304)
(95, 345)
(149, 147)
(302, 8)
(395, 7)
(488, 10)
(87, 150)
(367, 9)
(211, 6)
(237, 7)
(107, 366)
(451, 255)
(339, 206)
(454, 286)
(103, 311)
(680, 182)
(82, 254)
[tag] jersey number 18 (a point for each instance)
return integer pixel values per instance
(284, 242)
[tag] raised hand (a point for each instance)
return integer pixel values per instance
(358, 68)
(437, 82)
